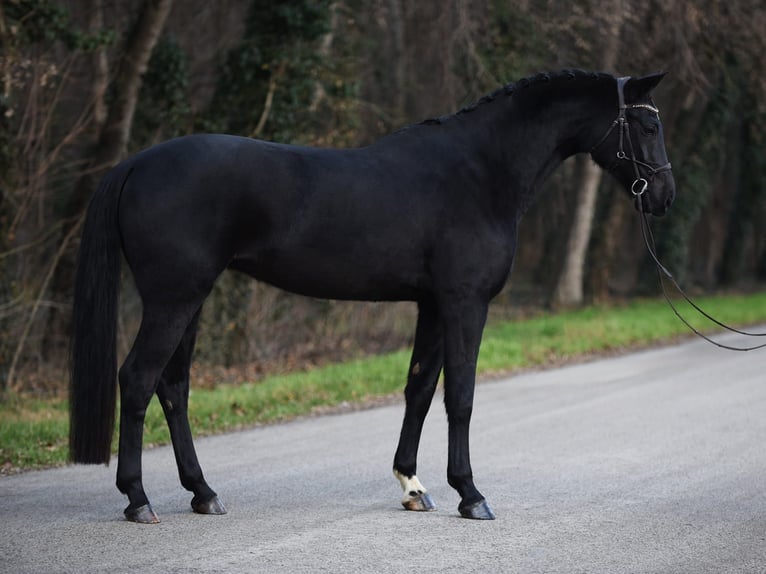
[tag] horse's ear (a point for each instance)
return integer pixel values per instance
(637, 88)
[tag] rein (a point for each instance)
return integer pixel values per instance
(637, 188)
(663, 272)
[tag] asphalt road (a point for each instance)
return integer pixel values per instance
(651, 462)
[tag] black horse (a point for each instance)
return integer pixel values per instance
(427, 214)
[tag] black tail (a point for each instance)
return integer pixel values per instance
(93, 359)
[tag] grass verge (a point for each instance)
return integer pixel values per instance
(33, 432)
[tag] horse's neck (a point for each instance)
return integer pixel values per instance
(527, 143)
(518, 140)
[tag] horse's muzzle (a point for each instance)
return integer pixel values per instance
(658, 197)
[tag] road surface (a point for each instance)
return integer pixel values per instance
(653, 462)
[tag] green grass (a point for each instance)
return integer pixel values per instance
(33, 431)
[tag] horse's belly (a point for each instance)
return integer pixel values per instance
(334, 276)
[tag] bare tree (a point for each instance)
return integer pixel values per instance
(112, 140)
(569, 289)
(127, 83)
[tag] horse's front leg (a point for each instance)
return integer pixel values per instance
(464, 324)
(425, 366)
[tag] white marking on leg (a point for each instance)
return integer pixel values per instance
(411, 487)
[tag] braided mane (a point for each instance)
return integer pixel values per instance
(511, 88)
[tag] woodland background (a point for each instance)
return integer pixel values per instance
(85, 83)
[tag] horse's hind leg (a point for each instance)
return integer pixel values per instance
(173, 392)
(162, 328)
(425, 366)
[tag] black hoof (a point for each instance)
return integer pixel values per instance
(143, 515)
(210, 506)
(477, 511)
(421, 503)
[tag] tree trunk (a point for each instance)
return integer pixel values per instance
(100, 67)
(127, 84)
(398, 61)
(569, 289)
(112, 141)
(325, 50)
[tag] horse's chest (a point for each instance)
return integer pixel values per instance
(478, 260)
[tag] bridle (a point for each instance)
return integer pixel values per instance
(640, 184)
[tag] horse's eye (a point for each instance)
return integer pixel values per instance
(649, 130)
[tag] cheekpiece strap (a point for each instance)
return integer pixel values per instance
(621, 92)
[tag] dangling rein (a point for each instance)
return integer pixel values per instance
(639, 186)
(662, 272)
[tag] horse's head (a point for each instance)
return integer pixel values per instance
(632, 148)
